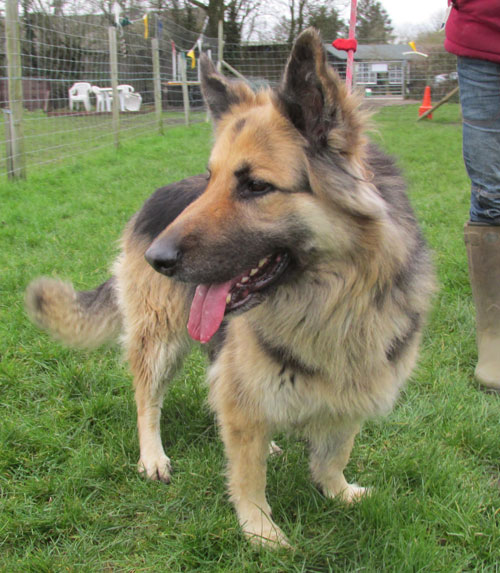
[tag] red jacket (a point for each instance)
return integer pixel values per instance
(473, 29)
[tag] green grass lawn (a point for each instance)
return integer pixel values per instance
(70, 496)
(53, 139)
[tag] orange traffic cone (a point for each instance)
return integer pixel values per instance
(426, 103)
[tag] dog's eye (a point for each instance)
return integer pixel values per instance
(208, 174)
(259, 187)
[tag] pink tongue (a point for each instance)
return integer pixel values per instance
(207, 310)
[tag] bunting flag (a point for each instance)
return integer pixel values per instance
(414, 51)
(146, 26)
(198, 44)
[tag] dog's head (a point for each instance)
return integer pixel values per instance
(283, 190)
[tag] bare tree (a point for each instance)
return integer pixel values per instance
(214, 9)
(235, 12)
(299, 14)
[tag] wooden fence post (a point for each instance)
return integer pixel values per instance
(113, 65)
(15, 144)
(220, 45)
(185, 89)
(9, 158)
(157, 84)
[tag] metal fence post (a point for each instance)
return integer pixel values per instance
(15, 144)
(113, 65)
(157, 84)
(185, 89)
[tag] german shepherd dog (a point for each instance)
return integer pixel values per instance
(297, 260)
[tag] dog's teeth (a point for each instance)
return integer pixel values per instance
(228, 298)
(254, 272)
(244, 280)
(263, 261)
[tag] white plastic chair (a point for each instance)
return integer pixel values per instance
(129, 100)
(132, 101)
(103, 99)
(80, 93)
(125, 88)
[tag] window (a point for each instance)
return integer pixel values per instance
(395, 73)
(365, 73)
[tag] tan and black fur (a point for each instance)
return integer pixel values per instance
(329, 342)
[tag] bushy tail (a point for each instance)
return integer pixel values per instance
(85, 319)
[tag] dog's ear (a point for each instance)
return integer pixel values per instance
(314, 98)
(219, 92)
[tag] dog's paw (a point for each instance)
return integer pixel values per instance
(274, 449)
(156, 469)
(352, 493)
(263, 532)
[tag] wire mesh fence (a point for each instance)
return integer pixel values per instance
(85, 84)
(67, 95)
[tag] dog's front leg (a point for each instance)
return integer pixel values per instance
(247, 447)
(153, 365)
(153, 461)
(330, 451)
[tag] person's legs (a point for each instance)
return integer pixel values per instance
(479, 82)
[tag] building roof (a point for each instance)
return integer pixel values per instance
(378, 52)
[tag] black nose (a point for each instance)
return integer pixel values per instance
(164, 255)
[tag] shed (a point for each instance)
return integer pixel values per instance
(379, 69)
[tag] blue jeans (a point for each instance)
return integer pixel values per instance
(479, 82)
